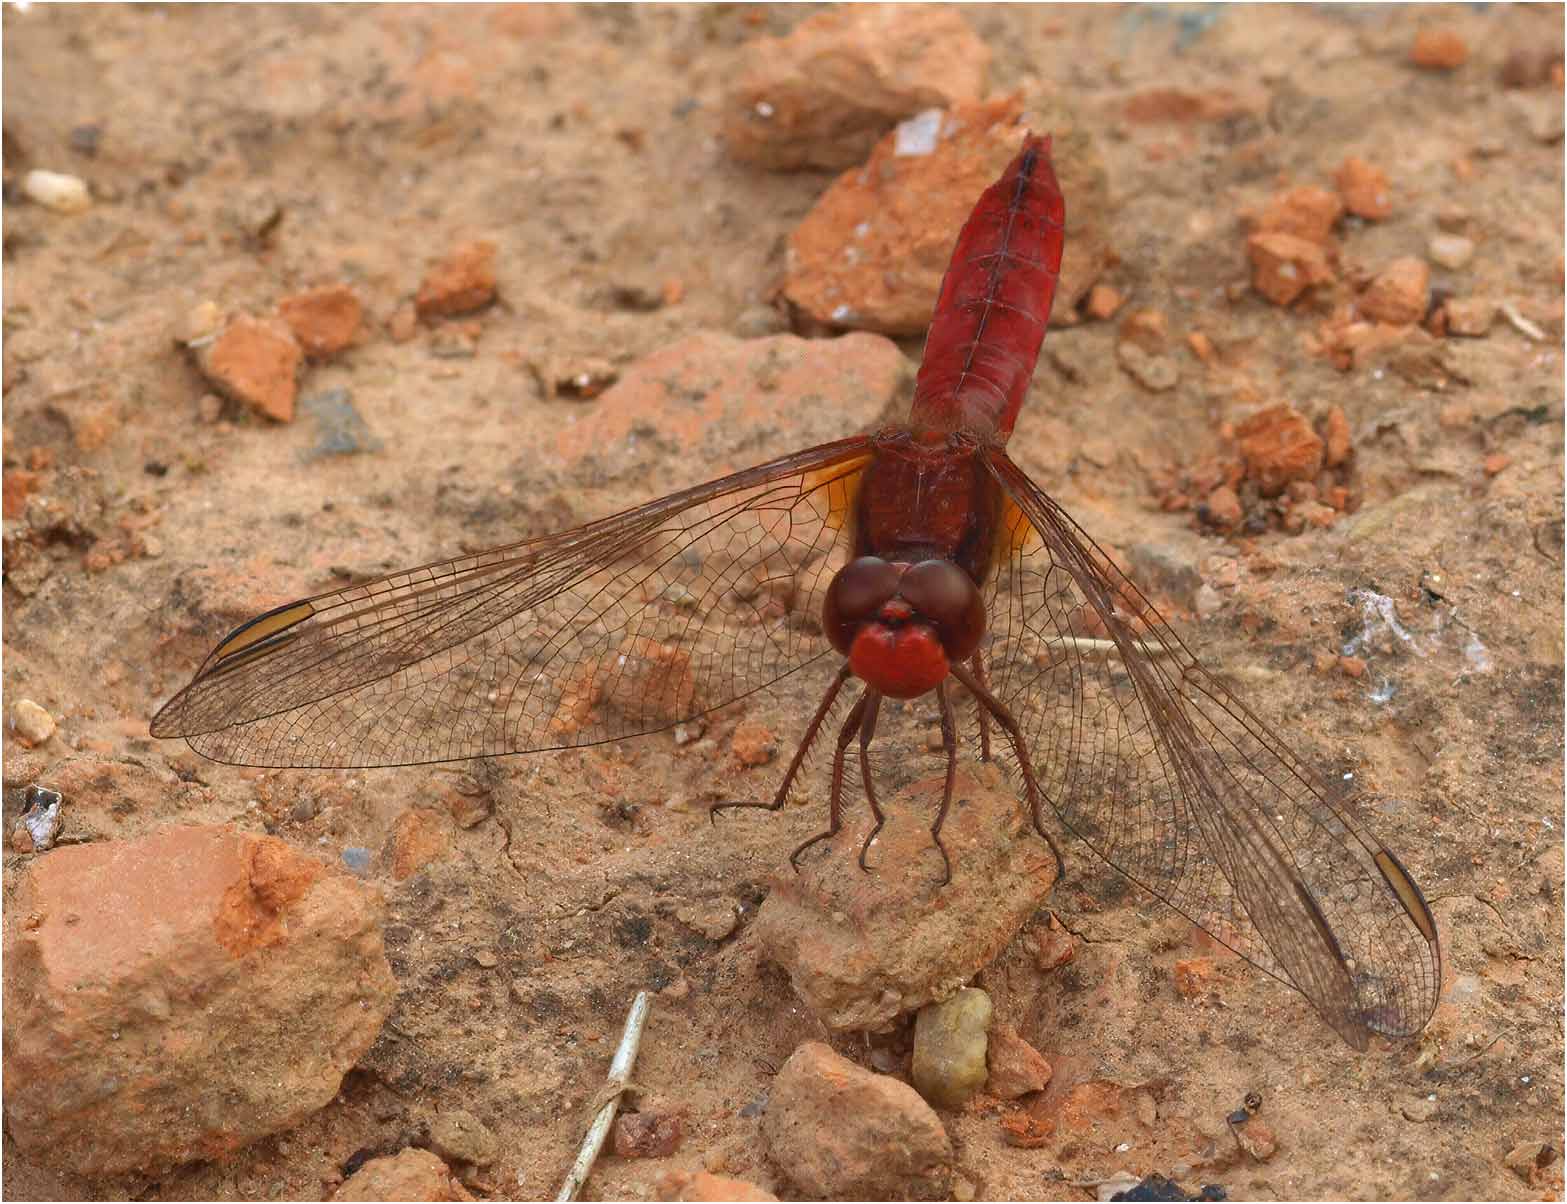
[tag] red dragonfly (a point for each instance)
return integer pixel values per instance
(920, 554)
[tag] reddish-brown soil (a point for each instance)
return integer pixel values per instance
(585, 143)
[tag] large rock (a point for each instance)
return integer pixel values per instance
(839, 1131)
(863, 948)
(712, 404)
(823, 95)
(175, 997)
(871, 254)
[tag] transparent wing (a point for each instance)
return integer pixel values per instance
(623, 626)
(1173, 781)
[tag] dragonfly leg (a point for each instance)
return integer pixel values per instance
(851, 725)
(949, 741)
(984, 715)
(799, 753)
(1009, 725)
(867, 734)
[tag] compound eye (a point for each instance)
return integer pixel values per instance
(945, 596)
(857, 592)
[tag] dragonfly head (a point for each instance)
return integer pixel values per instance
(901, 624)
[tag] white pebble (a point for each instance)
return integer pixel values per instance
(42, 818)
(54, 190)
(32, 724)
(919, 134)
(1450, 250)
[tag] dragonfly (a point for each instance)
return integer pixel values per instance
(918, 560)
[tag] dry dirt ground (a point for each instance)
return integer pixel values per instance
(586, 143)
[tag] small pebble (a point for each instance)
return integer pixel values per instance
(460, 1136)
(647, 1135)
(677, 991)
(470, 808)
(403, 324)
(1307, 212)
(1148, 328)
(255, 212)
(357, 859)
(753, 744)
(1530, 66)
(1156, 373)
(56, 191)
(1122, 1183)
(1455, 415)
(1469, 316)
(32, 724)
(583, 380)
(1451, 251)
(1102, 302)
(324, 320)
(919, 134)
(1257, 1139)
(950, 1042)
(461, 283)
(1530, 1159)
(1541, 115)
(714, 919)
(1337, 441)
(1053, 947)
(1222, 508)
(84, 139)
(486, 959)
(1439, 50)
(1364, 187)
(1399, 293)
(40, 822)
(1016, 1067)
(1283, 266)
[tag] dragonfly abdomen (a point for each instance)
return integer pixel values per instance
(994, 302)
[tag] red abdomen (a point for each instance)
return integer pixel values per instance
(994, 302)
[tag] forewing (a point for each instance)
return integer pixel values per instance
(624, 626)
(1173, 781)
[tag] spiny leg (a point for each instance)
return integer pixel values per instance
(949, 741)
(1009, 725)
(984, 716)
(867, 734)
(799, 753)
(851, 725)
